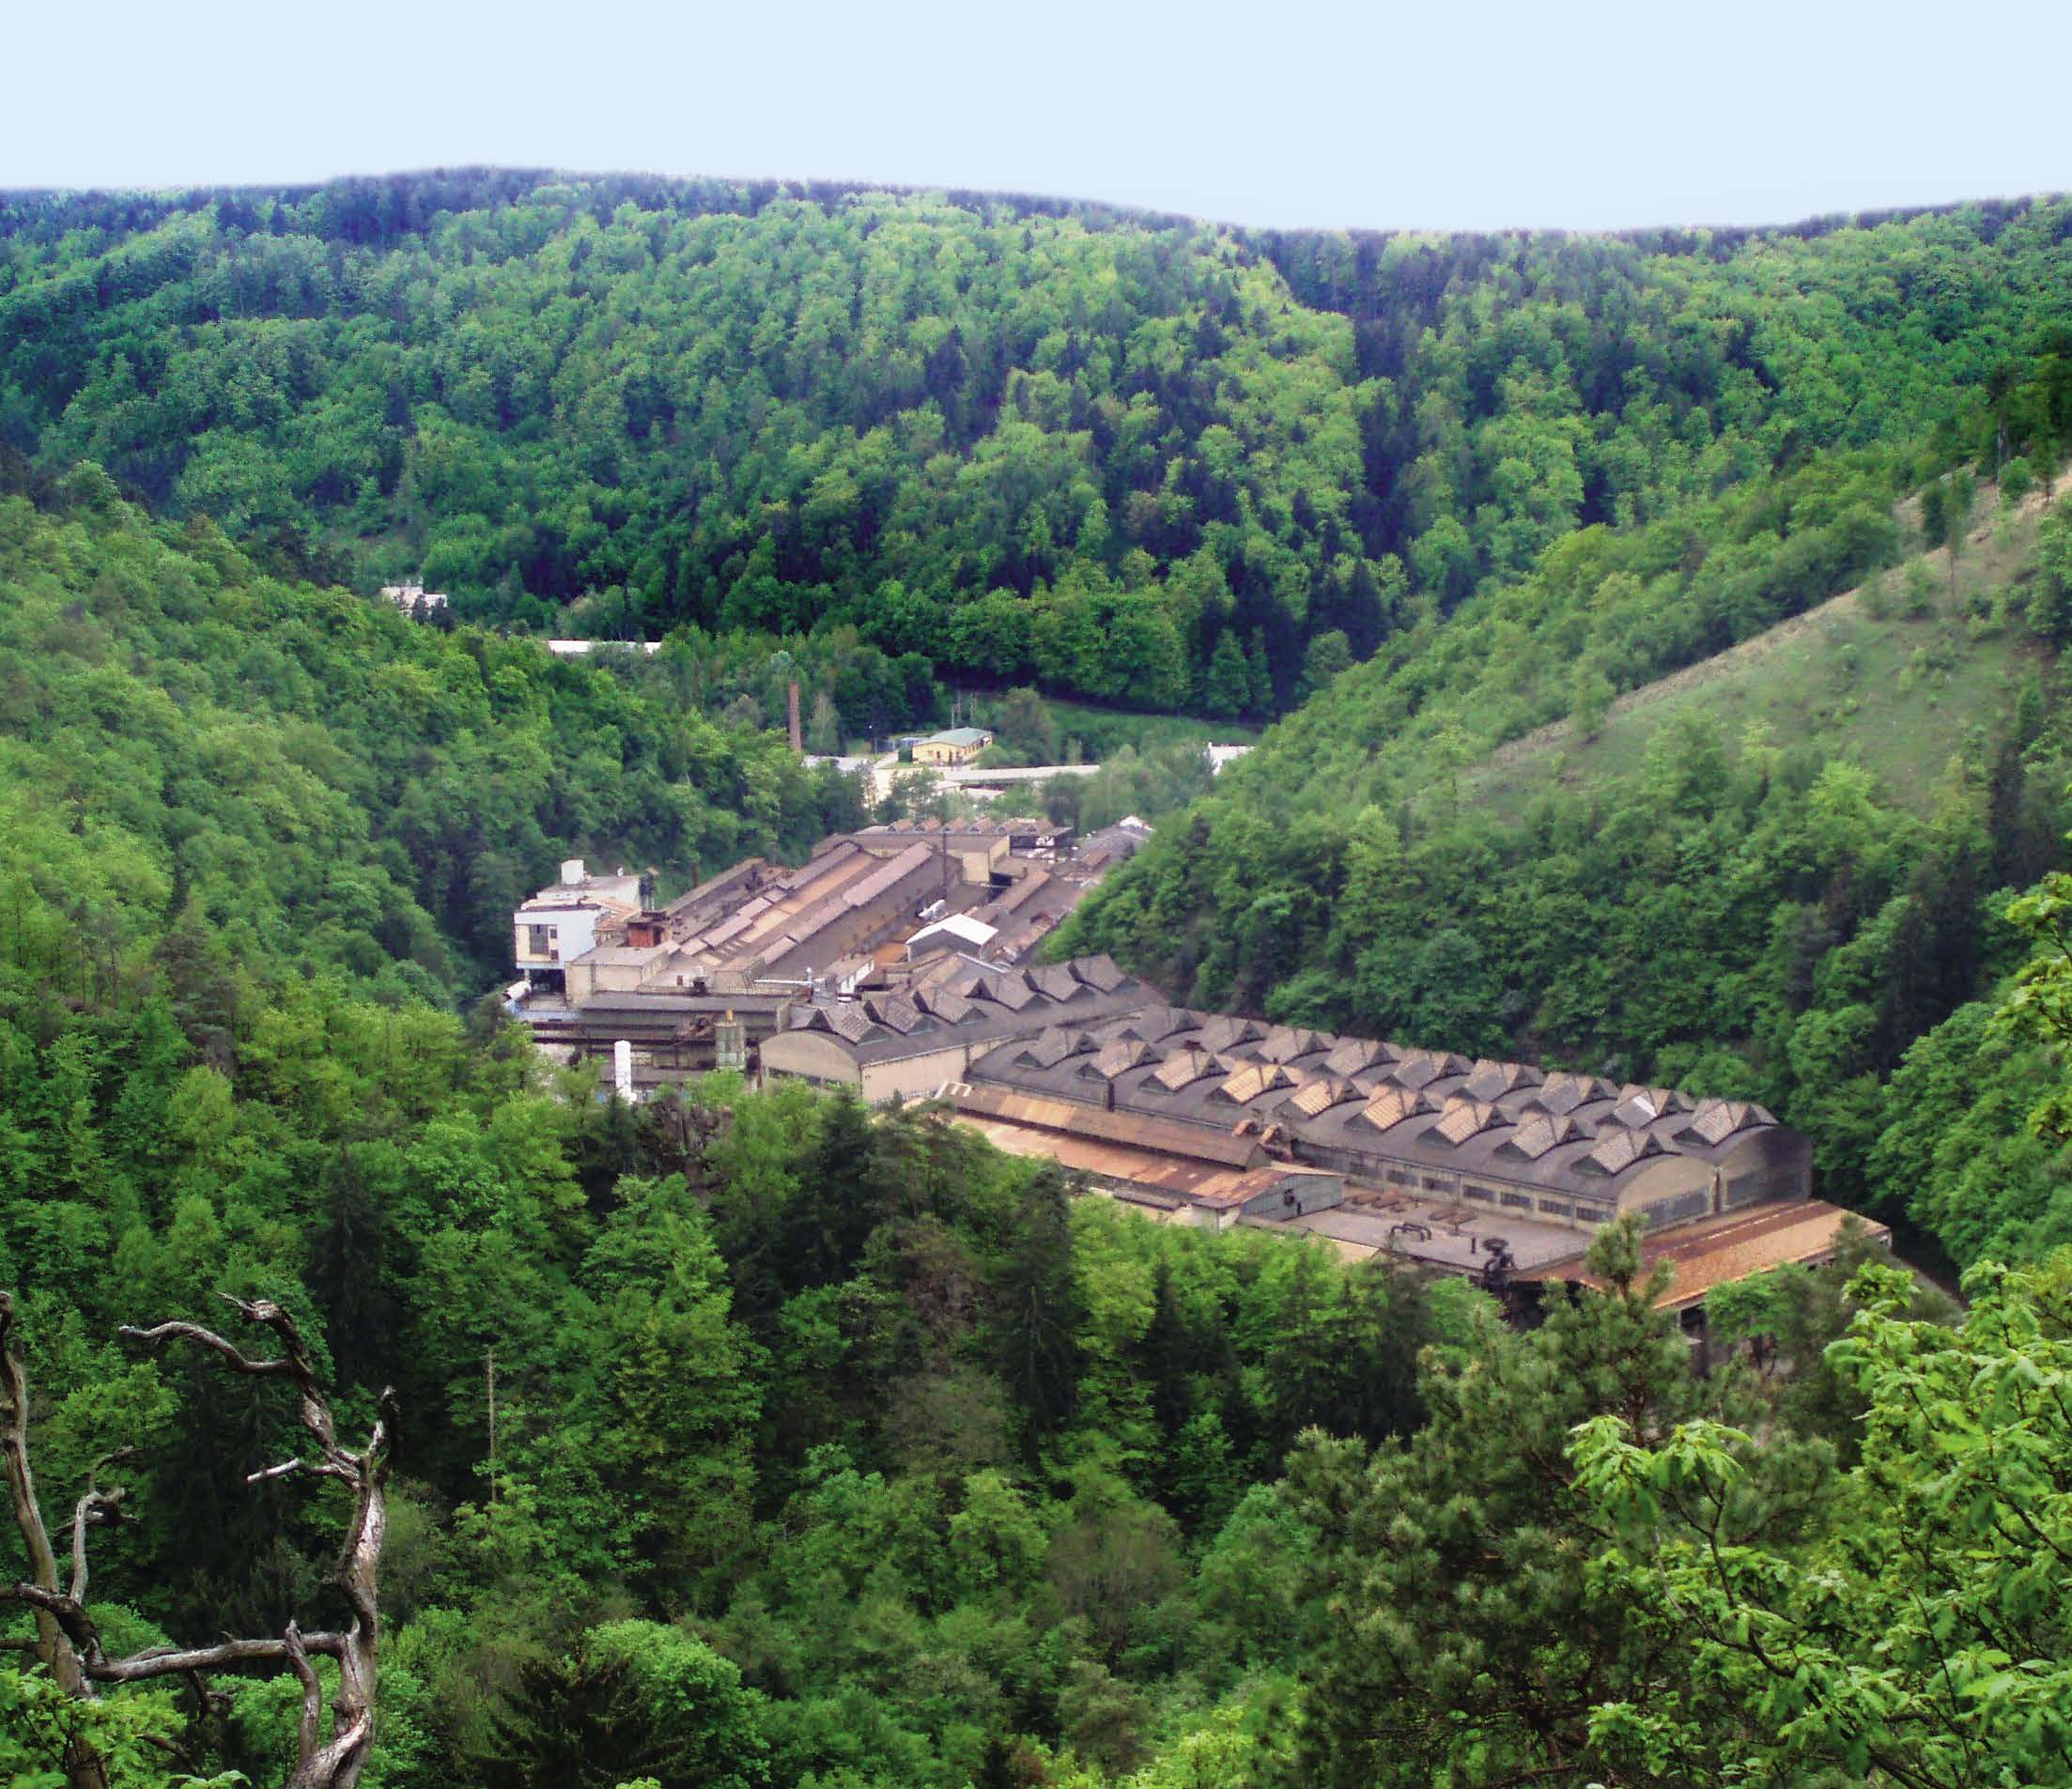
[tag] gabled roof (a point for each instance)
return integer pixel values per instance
(1385, 1111)
(1618, 1150)
(1285, 1043)
(1099, 972)
(1642, 1105)
(1715, 1120)
(1542, 1132)
(1186, 1066)
(1010, 990)
(1488, 1080)
(1565, 1092)
(1053, 981)
(1462, 1118)
(1156, 1024)
(1227, 1033)
(1321, 1094)
(894, 1011)
(852, 1022)
(1349, 1056)
(1254, 1079)
(942, 1003)
(1421, 1068)
(960, 926)
(1118, 1058)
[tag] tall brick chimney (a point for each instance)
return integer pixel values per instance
(799, 738)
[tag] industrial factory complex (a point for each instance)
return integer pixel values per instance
(900, 961)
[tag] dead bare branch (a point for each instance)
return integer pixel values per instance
(335, 1763)
(95, 1506)
(66, 1638)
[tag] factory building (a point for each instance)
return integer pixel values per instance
(1501, 1171)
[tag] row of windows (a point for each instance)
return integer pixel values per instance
(1520, 1202)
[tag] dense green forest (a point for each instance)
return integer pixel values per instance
(752, 1439)
(1135, 459)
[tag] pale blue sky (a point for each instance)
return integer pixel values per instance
(1596, 115)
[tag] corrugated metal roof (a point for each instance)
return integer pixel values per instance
(888, 876)
(1093, 1123)
(1718, 1250)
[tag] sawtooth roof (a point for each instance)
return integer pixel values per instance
(1509, 1121)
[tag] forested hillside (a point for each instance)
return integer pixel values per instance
(192, 748)
(1138, 459)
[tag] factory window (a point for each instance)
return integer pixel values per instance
(1516, 1201)
(1437, 1183)
(1557, 1207)
(1400, 1177)
(1481, 1193)
(539, 941)
(1592, 1215)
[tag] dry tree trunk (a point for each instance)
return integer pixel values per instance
(70, 1644)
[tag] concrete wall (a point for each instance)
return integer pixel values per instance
(812, 1056)
(913, 1077)
(574, 931)
(587, 977)
(1297, 1196)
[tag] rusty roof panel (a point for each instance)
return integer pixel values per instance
(1714, 1250)
(1164, 1136)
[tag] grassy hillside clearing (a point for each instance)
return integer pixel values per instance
(1895, 674)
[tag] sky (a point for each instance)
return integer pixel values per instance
(1596, 115)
